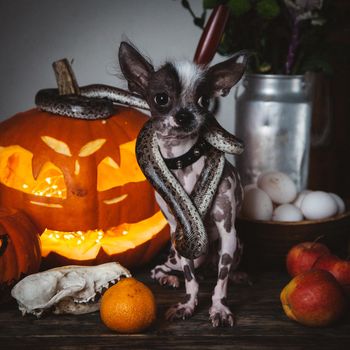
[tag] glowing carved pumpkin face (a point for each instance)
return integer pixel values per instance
(80, 182)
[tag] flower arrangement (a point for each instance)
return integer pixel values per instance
(285, 36)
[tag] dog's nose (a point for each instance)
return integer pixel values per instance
(184, 118)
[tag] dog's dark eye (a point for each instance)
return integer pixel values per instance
(161, 99)
(204, 102)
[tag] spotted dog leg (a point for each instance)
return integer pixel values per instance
(219, 313)
(162, 273)
(239, 277)
(186, 308)
(223, 213)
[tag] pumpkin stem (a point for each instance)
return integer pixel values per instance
(65, 77)
(3, 243)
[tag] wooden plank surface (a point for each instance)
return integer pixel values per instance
(261, 324)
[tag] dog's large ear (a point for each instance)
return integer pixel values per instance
(223, 76)
(135, 68)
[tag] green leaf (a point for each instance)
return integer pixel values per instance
(268, 9)
(210, 4)
(239, 7)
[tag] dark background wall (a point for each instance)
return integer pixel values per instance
(330, 163)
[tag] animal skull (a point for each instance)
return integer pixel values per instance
(68, 289)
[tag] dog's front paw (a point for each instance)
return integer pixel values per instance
(165, 279)
(169, 280)
(221, 315)
(180, 311)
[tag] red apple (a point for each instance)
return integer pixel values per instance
(313, 298)
(339, 268)
(302, 256)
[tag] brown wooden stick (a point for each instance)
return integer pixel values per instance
(65, 77)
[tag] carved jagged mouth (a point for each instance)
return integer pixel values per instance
(114, 200)
(85, 245)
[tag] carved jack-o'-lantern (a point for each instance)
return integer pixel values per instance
(80, 182)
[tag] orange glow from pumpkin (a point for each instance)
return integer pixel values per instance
(16, 165)
(15, 162)
(86, 245)
(69, 175)
(16, 172)
(110, 174)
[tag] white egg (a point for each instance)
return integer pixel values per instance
(279, 186)
(257, 205)
(318, 205)
(300, 198)
(287, 212)
(339, 201)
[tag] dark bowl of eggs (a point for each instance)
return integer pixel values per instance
(274, 218)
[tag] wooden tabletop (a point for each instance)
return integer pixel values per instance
(261, 324)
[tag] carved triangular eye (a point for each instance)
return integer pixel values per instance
(57, 145)
(110, 174)
(108, 161)
(16, 173)
(91, 147)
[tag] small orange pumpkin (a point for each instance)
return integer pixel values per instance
(19, 248)
(79, 181)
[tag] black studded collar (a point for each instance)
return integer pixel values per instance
(188, 158)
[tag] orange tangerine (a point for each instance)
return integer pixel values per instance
(128, 307)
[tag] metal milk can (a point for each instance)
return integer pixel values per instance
(273, 117)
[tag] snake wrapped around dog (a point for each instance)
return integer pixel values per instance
(190, 238)
(97, 102)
